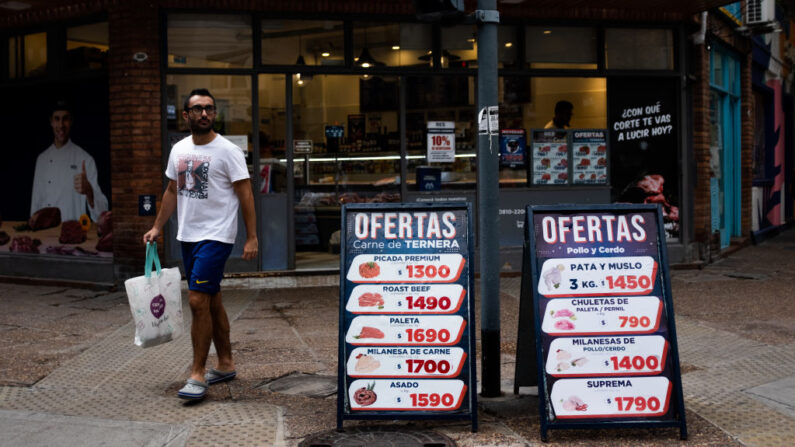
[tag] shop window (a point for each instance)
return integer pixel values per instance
(459, 46)
(355, 145)
(232, 101)
(644, 152)
(530, 103)
(561, 47)
(35, 54)
(349, 153)
(639, 49)
(209, 41)
(87, 47)
(507, 46)
(272, 128)
(717, 72)
(303, 42)
(27, 55)
(64, 128)
(449, 99)
(392, 45)
(14, 54)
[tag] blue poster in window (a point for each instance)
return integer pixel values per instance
(335, 131)
(513, 145)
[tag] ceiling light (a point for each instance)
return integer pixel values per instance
(508, 44)
(445, 54)
(547, 31)
(395, 47)
(325, 54)
(365, 60)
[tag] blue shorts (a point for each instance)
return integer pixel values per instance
(204, 265)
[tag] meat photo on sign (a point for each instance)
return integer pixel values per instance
(651, 189)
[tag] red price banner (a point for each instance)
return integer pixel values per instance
(406, 395)
(406, 268)
(406, 299)
(617, 397)
(583, 277)
(608, 315)
(612, 355)
(425, 330)
(406, 362)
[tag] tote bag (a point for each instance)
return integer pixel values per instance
(155, 302)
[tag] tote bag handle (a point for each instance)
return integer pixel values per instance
(151, 257)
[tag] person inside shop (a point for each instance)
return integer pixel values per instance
(66, 175)
(207, 209)
(563, 113)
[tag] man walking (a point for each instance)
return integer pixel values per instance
(209, 180)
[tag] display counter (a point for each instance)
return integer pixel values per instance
(48, 243)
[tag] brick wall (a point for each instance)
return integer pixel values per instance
(63, 10)
(135, 142)
(701, 155)
(747, 145)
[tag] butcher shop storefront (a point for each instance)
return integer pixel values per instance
(354, 105)
(343, 110)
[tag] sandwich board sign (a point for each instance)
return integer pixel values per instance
(602, 313)
(407, 322)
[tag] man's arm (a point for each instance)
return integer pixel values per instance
(86, 183)
(167, 207)
(246, 197)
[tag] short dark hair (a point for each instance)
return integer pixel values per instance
(563, 106)
(60, 104)
(199, 92)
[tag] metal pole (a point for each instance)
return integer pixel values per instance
(488, 197)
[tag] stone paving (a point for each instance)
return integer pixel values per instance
(115, 380)
(729, 367)
(71, 374)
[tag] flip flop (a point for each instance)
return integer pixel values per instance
(215, 376)
(193, 390)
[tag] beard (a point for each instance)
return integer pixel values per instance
(201, 126)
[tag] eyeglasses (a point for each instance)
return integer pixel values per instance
(197, 110)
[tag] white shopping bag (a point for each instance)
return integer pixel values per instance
(155, 302)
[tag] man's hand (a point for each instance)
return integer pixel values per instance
(82, 186)
(246, 197)
(151, 235)
(250, 248)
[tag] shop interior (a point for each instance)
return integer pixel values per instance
(329, 120)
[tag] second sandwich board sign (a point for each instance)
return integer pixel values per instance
(603, 316)
(407, 336)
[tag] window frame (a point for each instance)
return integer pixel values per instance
(56, 52)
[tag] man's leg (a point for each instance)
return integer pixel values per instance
(220, 321)
(201, 331)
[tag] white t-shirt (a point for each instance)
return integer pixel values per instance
(53, 183)
(206, 202)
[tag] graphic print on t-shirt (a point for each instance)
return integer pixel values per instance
(193, 174)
